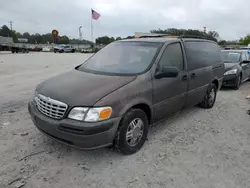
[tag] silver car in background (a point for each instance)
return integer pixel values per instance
(64, 48)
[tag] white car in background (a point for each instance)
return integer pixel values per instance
(64, 48)
(46, 49)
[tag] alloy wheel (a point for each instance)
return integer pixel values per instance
(134, 132)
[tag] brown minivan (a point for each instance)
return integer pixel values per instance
(113, 97)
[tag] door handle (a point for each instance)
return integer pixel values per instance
(193, 75)
(184, 78)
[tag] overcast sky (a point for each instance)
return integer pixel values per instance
(124, 17)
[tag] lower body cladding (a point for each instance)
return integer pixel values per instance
(79, 134)
(230, 81)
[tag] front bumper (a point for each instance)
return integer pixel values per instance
(79, 134)
(230, 80)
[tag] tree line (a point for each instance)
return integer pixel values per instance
(39, 38)
(245, 40)
(213, 35)
(104, 40)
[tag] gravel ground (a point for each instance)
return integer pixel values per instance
(197, 148)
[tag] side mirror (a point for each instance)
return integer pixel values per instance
(167, 72)
(245, 61)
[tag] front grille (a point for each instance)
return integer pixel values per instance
(50, 107)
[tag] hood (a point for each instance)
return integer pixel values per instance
(229, 66)
(77, 88)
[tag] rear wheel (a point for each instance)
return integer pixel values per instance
(238, 82)
(132, 132)
(210, 97)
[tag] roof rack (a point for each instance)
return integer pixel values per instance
(195, 36)
(173, 36)
(158, 36)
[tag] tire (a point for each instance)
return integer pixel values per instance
(238, 83)
(207, 101)
(61, 51)
(125, 145)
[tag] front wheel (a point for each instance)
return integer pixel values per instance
(132, 132)
(210, 97)
(238, 82)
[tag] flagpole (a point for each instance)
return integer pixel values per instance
(91, 26)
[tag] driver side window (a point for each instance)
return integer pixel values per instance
(172, 57)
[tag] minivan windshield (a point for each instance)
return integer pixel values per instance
(122, 58)
(231, 57)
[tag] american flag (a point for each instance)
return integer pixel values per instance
(95, 15)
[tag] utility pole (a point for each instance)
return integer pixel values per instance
(11, 27)
(80, 33)
(205, 29)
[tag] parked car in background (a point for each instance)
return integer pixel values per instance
(87, 50)
(237, 67)
(64, 48)
(114, 96)
(37, 49)
(46, 49)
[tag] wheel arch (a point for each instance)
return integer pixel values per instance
(144, 106)
(216, 82)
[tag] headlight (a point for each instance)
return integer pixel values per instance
(233, 71)
(90, 114)
(77, 113)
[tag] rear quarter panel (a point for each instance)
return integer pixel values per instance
(218, 71)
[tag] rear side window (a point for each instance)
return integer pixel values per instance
(202, 54)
